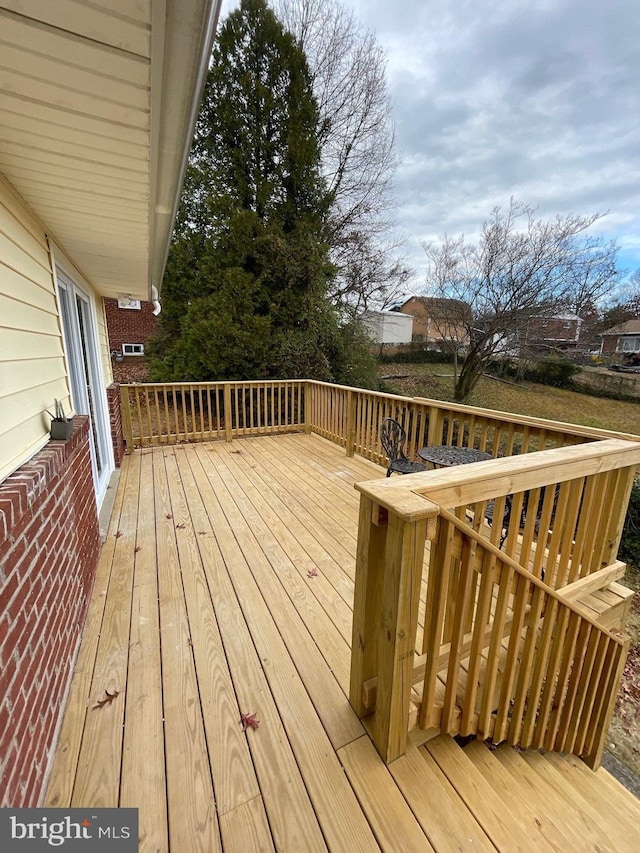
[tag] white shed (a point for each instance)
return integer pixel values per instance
(388, 327)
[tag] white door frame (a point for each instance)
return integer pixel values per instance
(86, 380)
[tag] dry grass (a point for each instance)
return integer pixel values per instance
(542, 401)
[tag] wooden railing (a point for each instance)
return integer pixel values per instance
(507, 650)
(352, 418)
(159, 413)
(166, 413)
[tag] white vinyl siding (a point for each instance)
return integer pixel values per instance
(32, 365)
(103, 342)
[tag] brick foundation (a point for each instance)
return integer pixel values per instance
(49, 548)
(115, 419)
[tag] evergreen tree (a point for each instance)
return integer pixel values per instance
(245, 292)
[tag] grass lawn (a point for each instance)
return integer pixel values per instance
(541, 401)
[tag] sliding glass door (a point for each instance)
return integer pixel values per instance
(85, 376)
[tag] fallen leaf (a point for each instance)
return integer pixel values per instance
(168, 515)
(312, 573)
(137, 548)
(249, 721)
(235, 451)
(202, 532)
(119, 534)
(109, 697)
(180, 526)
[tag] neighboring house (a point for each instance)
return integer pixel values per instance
(623, 339)
(97, 107)
(436, 320)
(130, 324)
(562, 330)
(388, 327)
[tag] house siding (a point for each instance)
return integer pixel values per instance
(49, 547)
(32, 365)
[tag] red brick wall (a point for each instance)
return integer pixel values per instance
(49, 548)
(115, 419)
(128, 325)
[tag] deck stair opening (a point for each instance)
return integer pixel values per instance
(534, 801)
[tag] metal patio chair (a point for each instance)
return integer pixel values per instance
(393, 438)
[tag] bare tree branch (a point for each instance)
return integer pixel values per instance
(356, 136)
(522, 269)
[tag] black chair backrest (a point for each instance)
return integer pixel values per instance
(393, 437)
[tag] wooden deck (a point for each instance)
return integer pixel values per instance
(225, 587)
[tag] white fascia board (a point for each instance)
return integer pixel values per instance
(183, 32)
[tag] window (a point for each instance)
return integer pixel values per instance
(629, 344)
(132, 349)
(127, 302)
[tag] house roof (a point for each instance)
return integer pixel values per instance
(436, 305)
(629, 327)
(97, 108)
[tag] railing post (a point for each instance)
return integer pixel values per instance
(372, 538)
(389, 564)
(351, 422)
(228, 425)
(434, 433)
(127, 425)
(308, 406)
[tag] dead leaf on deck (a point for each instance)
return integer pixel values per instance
(108, 699)
(312, 573)
(168, 515)
(235, 451)
(249, 721)
(119, 534)
(137, 548)
(180, 526)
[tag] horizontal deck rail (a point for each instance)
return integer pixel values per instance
(504, 653)
(158, 413)
(168, 413)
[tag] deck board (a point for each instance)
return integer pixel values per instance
(230, 590)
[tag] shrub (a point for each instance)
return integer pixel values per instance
(415, 354)
(630, 544)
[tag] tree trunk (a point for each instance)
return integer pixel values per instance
(469, 375)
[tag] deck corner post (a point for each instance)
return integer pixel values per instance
(308, 406)
(351, 423)
(228, 426)
(366, 602)
(404, 556)
(385, 616)
(127, 426)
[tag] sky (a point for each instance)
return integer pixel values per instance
(538, 100)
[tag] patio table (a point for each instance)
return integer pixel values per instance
(443, 456)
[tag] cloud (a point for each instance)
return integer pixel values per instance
(536, 100)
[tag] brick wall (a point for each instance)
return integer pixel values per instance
(115, 420)
(49, 548)
(127, 325)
